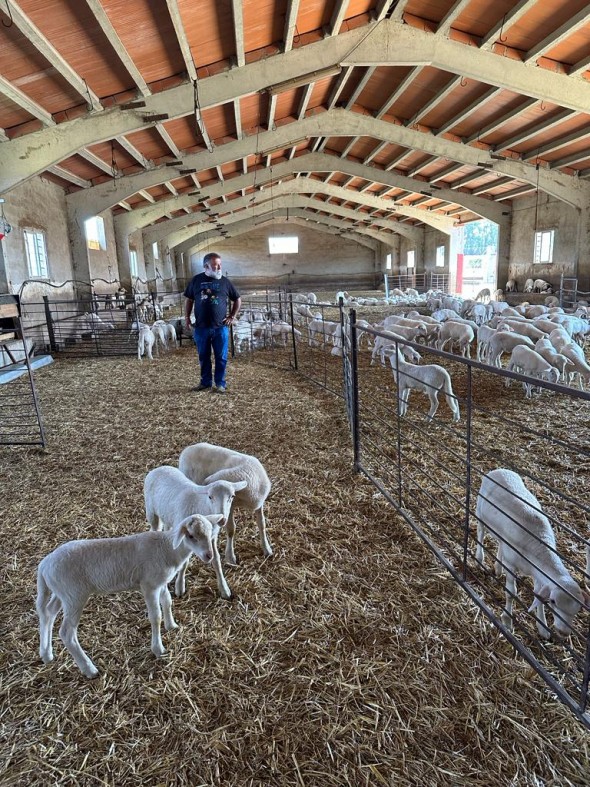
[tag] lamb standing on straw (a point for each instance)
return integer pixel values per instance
(68, 576)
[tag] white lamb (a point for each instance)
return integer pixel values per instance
(529, 285)
(170, 334)
(145, 342)
(526, 545)
(456, 333)
(524, 328)
(510, 286)
(484, 336)
(575, 354)
(160, 336)
(540, 285)
(204, 463)
(484, 295)
(170, 497)
(320, 330)
(68, 576)
(529, 362)
(390, 339)
(504, 342)
(558, 360)
(430, 379)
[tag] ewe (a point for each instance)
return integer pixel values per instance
(68, 576)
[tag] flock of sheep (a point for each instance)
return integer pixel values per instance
(186, 507)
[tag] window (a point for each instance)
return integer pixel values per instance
(95, 237)
(411, 259)
(283, 245)
(156, 250)
(388, 262)
(544, 246)
(36, 253)
(133, 262)
(440, 257)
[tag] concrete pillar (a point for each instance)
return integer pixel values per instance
(79, 249)
(124, 226)
(582, 263)
(150, 266)
(455, 248)
(503, 258)
(4, 277)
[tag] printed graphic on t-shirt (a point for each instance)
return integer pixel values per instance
(210, 292)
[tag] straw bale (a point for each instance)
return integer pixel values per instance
(348, 658)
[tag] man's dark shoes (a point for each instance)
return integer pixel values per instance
(201, 387)
(220, 389)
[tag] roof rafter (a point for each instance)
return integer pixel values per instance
(290, 24)
(388, 43)
(238, 16)
(185, 49)
(562, 32)
(20, 98)
(50, 53)
(120, 50)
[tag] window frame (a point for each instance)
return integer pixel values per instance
(283, 238)
(156, 250)
(411, 259)
(133, 263)
(538, 247)
(389, 262)
(98, 243)
(442, 264)
(37, 268)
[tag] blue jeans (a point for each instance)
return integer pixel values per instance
(216, 339)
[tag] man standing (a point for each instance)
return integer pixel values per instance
(209, 293)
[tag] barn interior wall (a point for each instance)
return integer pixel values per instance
(321, 256)
(40, 205)
(529, 217)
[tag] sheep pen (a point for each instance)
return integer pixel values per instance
(350, 657)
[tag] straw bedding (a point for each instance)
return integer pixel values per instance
(348, 658)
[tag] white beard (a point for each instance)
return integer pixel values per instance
(213, 274)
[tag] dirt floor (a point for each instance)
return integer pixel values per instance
(348, 658)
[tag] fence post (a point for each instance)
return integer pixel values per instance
(355, 392)
(49, 321)
(293, 332)
(398, 400)
(467, 471)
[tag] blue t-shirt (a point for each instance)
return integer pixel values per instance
(210, 296)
